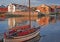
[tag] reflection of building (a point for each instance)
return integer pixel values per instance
(11, 22)
(46, 20)
(53, 19)
(44, 9)
(43, 20)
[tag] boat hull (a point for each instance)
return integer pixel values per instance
(23, 38)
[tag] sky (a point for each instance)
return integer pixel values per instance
(33, 2)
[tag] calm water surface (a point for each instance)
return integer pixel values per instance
(49, 32)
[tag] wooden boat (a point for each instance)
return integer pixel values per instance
(21, 33)
(24, 33)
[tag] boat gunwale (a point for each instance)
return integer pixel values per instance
(27, 35)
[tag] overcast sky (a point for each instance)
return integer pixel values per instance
(33, 2)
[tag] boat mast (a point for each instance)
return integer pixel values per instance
(29, 14)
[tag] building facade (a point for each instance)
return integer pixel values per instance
(11, 8)
(3, 10)
(53, 8)
(44, 9)
(16, 7)
(58, 9)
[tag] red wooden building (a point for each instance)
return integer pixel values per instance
(3, 10)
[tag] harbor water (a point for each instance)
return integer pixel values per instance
(49, 31)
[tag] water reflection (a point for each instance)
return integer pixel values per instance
(35, 39)
(52, 19)
(12, 22)
(2, 18)
(48, 22)
(43, 20)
